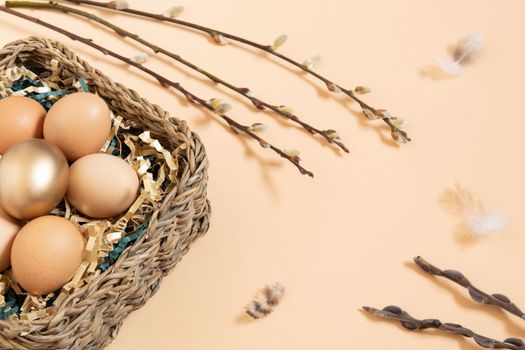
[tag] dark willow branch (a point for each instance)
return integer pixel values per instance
(328, 134)
(475, 293)
(413, 324)
(369, 111)
(236, 126)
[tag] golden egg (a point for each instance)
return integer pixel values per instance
(21, 118)
(33, 178)
(102, 185)
(46, 254)
(9, 227)
(78, 124)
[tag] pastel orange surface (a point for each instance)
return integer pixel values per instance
(343, 239)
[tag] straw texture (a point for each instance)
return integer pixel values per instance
(92, 315)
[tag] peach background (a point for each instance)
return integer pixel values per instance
(343, 239)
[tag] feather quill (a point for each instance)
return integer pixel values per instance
(465, 52)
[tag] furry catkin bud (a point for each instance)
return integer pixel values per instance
(381, 113)
(258, 127)
(332, 134)
(370, 114)
(247, 92)
(399, 122)
(286, 110)
(361, 90)
(292, 152)
(311, 62)
(281, 39)
(333, 88)
(219, 39)
(399, 137)
(173, 11)
(118, 4)
(220, 106)
(140, 58)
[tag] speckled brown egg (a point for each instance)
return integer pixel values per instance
(78, 124)
(102, 185)
(21, 118)
(46, 254)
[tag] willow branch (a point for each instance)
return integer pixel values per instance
(475, 293)
(236, 126)
(397, 133)
(328, 134)
(414, 324)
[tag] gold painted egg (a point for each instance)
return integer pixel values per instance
(33, 178)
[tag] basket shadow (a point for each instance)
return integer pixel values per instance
(463, 300)
(463, 343)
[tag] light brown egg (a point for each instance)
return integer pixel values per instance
(21, 118)
(9, 227)
(78, 124)
(33, 178)
(102, 185)
(46, 254)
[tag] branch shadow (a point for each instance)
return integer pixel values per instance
(463, 300)
(382, 131)
(266, 166)
(463, 344)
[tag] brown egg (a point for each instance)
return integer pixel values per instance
(21, 118)
(9, 227)
(78, 124)
(102, 185)
(46, 254)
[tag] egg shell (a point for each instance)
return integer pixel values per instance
(21, 118)
(102, 185)
(78, 124)
(9, 227)
(46, 254)
(33, 178)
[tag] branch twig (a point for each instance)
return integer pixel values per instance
(370, 112)
(413, 324)
(329, 135)
(475, 293)
(236, 126)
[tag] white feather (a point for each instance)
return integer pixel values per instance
(466, 51)
(471, 212)
(484, 224)
(449, 66)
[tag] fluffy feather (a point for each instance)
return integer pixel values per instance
(465, 52)
(485, 224)
(265, 301)
(472, 212)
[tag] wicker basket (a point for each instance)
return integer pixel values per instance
(92, 315)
